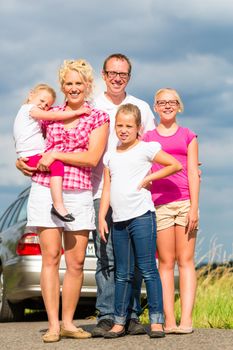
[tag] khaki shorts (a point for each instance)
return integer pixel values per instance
(174, 213)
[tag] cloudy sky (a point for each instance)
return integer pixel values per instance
(182, 44)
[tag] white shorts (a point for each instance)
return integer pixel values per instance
(79, 203)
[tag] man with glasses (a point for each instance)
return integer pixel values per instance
(116, 75)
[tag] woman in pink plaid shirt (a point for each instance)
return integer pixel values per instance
(79, 143)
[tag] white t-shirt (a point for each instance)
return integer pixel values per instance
(127, 170)
(27, 133)
(148, 123)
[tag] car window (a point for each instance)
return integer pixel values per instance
(12, 214)
(4, 216)
(23, 211)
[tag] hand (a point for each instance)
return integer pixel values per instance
(145, 184)
(84, 110)
(192, 217)
(46, 160)
(24, 168)
(103, 230)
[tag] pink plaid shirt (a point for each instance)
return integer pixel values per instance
(71, 140)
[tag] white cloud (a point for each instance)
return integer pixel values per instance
(9, 175)
(183, 44)
(193, 73)
(217, 153)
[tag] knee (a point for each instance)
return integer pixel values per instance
(51, 258)
(185, 261)
(124, 276)
(150, 275)
(167, 263)
(75, 267)
(149, 272)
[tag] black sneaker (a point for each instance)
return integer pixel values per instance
(134, 327)
(102, 327)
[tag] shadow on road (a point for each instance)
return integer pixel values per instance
(82, 312)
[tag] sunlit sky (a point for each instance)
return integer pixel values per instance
(182, 44)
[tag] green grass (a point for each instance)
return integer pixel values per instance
(214, 298)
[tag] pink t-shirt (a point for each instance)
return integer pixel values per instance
(174, 187)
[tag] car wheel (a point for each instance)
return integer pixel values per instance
(8, 311)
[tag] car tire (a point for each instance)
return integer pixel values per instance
(8, 311)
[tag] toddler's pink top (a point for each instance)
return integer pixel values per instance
(174, 187)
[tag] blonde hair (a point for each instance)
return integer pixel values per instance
(132, 109)
(82, 67)
(176, 95)
(45, 87)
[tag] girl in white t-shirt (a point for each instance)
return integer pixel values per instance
(30, 143)
(126, 178)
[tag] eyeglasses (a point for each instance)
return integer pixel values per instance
(111, 74)
(163, 103)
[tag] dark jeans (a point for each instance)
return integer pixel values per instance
(105, 275)
(134, 243)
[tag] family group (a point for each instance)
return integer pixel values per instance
(105, 165)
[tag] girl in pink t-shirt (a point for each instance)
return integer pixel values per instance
(176, 202)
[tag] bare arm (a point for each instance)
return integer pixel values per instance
(194, 184)
(40, 114)
(171, 166)
(89, 158)
(104, 205)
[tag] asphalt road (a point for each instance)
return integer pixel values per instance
(27, 336)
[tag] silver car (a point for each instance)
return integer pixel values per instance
(20, 265)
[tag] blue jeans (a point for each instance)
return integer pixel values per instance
(134, 243)
(105, 275)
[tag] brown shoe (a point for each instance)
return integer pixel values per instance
(184, 330)
(49, 337)
(79, 333)
(171, 330)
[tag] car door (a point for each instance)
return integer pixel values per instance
(12, 225)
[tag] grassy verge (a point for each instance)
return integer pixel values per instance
(214, 298)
